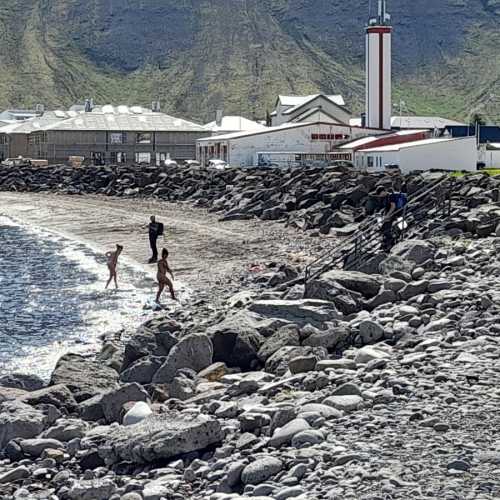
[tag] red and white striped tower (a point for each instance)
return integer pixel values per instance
(378, 70)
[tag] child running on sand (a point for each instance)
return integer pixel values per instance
(163, 269)
(112, 262)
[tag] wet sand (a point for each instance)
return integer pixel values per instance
(206, 255)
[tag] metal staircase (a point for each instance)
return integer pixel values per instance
(431, 202)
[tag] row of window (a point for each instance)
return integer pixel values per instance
(329, 137)
(116, 157)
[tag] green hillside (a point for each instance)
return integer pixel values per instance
(201, 55)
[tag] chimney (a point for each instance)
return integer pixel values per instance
(363, 120)
(156, 107)
(218, 117)
(88, 106)
(40, 109)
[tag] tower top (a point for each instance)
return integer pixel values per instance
(383, 18)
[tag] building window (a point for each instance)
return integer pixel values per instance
(144, 138)
(98, 158)
(118, 157)
(117, 138)
(329, 137)
(370, 161)
(143, 157)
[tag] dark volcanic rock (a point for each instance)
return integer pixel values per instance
(84, 376)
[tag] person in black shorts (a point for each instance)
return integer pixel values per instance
(155, 231)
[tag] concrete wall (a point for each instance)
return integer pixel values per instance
(457, 155)
(490, 157)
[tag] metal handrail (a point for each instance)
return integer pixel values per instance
(367, 236)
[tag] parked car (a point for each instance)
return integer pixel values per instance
(192, 164)
(217, 164)
(170, 163)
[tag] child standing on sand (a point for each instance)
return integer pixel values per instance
(112, 263)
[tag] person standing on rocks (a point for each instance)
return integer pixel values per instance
(112, 263)
(155, 231)
(163, 280)
(388, 202)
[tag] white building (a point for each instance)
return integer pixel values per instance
(287, 144)
(416, 122)
(458, 154)
(230, 124)
(489, 154)
(299, 108)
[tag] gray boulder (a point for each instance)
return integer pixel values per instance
(261, 470)
(22, 381)
(285, 336)
(413, 289)
(35, 447)
(236, 340)
(143, 370)
(153, 338)
(57, 395)
(300, 312)
(193, 351)
(366, 285)
(112, 402)
(158, 437)
(91, 489)
(331, 339)
(285, 434)
(417, 251)
(370, 332)
(278, 362)
(66, 429)
(19, 420)
(84, 376)
(137, 413)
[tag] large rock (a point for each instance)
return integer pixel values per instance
(278, 362)
(158, 437)
(331, 339)
(285, 336)
(418, 251)
(22, 381)
(35, 447)
(58, 395)
(84, 376)
(66, 429)
(91, 489)
(153, 338)
(236, 340)
(137, 413)
(112, 402)
(19, 420)
(261, 470)
(326, 286)
(285, 434)
(143, 370)
(194, 352)
(300, 312)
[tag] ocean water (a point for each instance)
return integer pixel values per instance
(52, 298)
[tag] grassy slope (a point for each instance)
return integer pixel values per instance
(244, 63)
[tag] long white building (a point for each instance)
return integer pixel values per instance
(457, 154)
(278, 145)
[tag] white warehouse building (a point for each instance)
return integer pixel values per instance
(285, 145)
(458, 154)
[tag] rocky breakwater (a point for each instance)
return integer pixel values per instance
(324, 199)
(373, 386)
